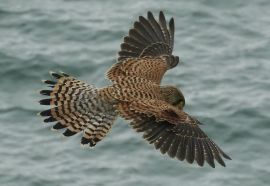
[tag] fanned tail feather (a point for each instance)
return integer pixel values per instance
(75, 107)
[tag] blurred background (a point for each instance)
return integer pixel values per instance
(225, 49)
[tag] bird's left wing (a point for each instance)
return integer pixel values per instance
(172, 131)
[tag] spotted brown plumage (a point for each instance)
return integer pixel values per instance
(148, 68)
(136, 94)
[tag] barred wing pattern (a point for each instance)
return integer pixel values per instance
(131, 88)
(172, 131)
(149, 68)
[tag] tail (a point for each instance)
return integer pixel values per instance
(75, 107)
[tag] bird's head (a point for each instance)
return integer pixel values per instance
(173, 96)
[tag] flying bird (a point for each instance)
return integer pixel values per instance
(135, 94)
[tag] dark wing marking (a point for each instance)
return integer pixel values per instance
(150, 37)
(178, 136)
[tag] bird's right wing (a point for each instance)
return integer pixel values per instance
(172, 131)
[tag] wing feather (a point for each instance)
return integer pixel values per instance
(146, 32)
(151, 69)
(173, 132)
(151, 38)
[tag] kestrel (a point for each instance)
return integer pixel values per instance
(136, 94)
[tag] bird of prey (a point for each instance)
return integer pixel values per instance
(135, 94)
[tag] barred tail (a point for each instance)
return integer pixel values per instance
(75, 107)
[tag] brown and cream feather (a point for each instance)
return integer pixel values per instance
(136, 94)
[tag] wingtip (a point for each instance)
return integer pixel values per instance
(227, 157)
(150, 16)
(200, 163)
(212, 165)
(171, 23)
(161, 15)
(149, 13)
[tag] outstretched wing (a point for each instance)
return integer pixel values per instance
(148, 37)
(147, 51)
(172, 131)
